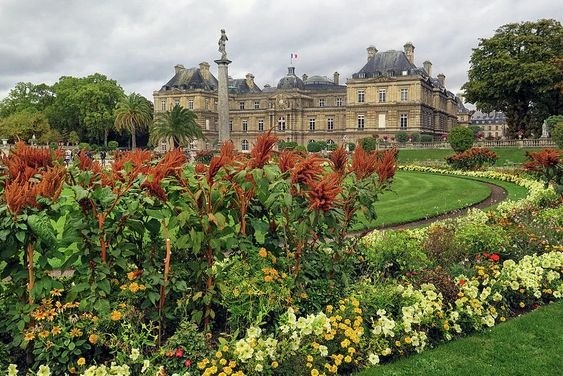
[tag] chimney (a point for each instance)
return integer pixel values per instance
(409, 51)
(371, 52)
(178, 68)
(428, 67)
(204, 70)
(305, 77)
(250, 80)
(336, 78)
(442, 79)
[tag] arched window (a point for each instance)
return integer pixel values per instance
(244, 145)
(330, 142)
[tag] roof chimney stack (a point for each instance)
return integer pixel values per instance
(178, 68)
(409, 51)
(428, 67)
(371, 52)
(304, 77)
(336, 78)
(204, 70)
(442, 79)
(250, 80)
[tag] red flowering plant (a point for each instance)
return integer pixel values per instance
(472, 159)
(546, 166)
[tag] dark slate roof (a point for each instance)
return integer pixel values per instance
(460, 106)
(240, 86)
(494, 117)
(291, 81)
(189, 79)
(387, 63)
(322, 83)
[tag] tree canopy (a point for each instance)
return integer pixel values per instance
(516, 71)
(178, 124)
(133, 113)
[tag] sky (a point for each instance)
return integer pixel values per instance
(138, 42)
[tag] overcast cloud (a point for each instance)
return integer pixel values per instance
(137, 43)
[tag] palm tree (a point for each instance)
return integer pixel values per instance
(133, 113)
(178, 124)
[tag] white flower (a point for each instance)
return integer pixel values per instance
(12, 370)
(135, 353)
(373, 358)
(259, 367)
(44, 371)
(146, 365)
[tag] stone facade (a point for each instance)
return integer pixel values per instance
(389, 94)
(493, 124)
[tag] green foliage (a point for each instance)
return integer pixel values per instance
(460, 138)
(415, 137)
(84, 146)
(472, 159)
(426, 138)
(287, 145)
(395, 253)
(179, 124)
(477, 237)
(74, 138)
(316, 146)
(24, 124)
(368, 143)
(556, 129)
(519, 58)
(26, 97)
(402, 136)
(186, 344)
(133, 114)
(113, 145)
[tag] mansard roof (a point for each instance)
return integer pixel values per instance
(387, 63)
(192, 78)
(321, 83)
(241, 86)
(494, 117)
(291, 81)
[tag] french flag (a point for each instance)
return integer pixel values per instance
(294, 56)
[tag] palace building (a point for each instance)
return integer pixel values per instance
(388, 94)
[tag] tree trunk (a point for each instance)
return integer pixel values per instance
(133, 139)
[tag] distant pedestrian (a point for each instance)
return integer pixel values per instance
(68, 156)
(103, 157)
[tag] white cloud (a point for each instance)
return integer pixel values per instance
(137, 42)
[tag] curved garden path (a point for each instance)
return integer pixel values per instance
(497, 195)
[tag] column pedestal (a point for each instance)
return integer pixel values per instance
(223, 100)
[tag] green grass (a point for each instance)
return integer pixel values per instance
(419, 195)
(506, 156)
(528, 345)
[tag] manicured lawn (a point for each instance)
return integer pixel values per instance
(419, 195)
(506, 156)
(528, 345)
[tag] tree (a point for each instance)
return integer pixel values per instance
(133, 113)
(402, 136)
(26, 96)
(460, 138)
(85, 105)
(515, 71)
(23, 125)
(368, 143)
(555, 124)
(178, 124)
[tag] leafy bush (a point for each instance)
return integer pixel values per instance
(395, 253)
(472, 159)
(184, 349)
(556, 129)
(440, 247)
(84, 146)
(415, 137)
(368, 143)
(113, 145)
(426, 138)
(402, 136)
(478, 237)
(546, 166)
(316, 146)
(440, 278)
(461, 138)
(287, 145)
(351, 146)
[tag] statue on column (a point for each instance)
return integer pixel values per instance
(222, 42)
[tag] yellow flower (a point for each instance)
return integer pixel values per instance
(134, 287)
(268, 278)
(446, 326)
(228, 370)
(314, 372)
(56, 292)
(75, 332)
(93, 338)
(345, 343)
(348, 359)
(81, 361)
(29, 336)
(223, 361)
(131, 276)
(309, 358)
(262, 252)
(218, 354)
(502, 319)
(408, 339)
(56, 330)
(398, 343)
(116, 316)
(522, 304)
(329, 309)
(44, 334)
(275, 364)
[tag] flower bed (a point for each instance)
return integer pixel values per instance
(230, 300)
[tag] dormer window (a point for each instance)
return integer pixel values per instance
(362, 75)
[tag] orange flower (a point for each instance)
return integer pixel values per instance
(339, 159)
(260, 154)
(542, 159)
(287, 160)
(322, 195)
(307, 170)
(93, 338)
(116, 316)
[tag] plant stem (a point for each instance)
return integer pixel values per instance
(30, 271)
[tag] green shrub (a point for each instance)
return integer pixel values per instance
(84, 146)
(186, 344)
(316, 146)
(415, 137)
(440, 247)
(113, 145)
(377, 295)
(368, 143)
(461, 138)
(331, 147)
(472, 159)
(426, 138)
(480, 237)
(402, 136)
(395, 253)
(287, 145)
(351, 146)
(556, 129)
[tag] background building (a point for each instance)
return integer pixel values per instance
(493, 124)
(387, 95)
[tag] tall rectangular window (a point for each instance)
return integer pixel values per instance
(256, 105)
(361, 122)
(361, 96)
(311, 124)
(382, 95)
(339, 102)
(163, 104)
(321, 102)
(245, 125)
(404, 95)
(403, 121)
(261, 125)
(231, 125)
(241, 105)
(191, 104)
(330, 124)
(206, 104)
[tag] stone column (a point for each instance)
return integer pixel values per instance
(223, 100)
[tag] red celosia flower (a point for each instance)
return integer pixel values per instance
(462, 282)
(260, 154)
(339, 159)
(363, 163)
(307, 170)
(322, 194)
(179, 352)
(386, 166)
(167, 166)
(288, 159)
(136, 162)
(85, 163)
(495, 257)
(542, 159)
(200, 168)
